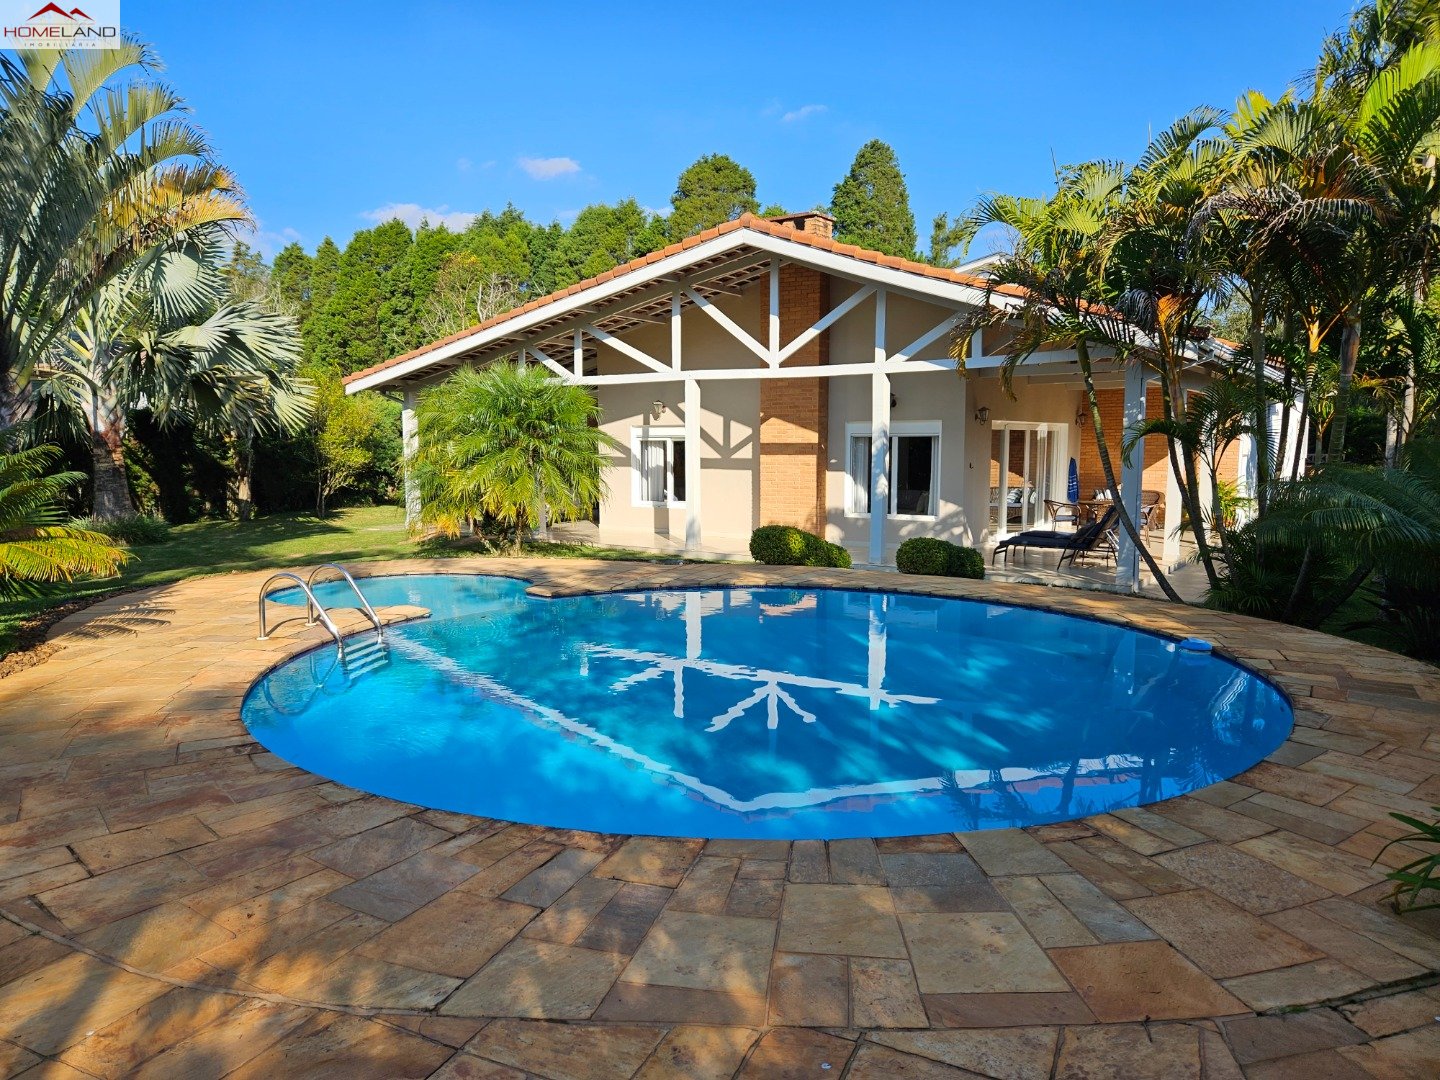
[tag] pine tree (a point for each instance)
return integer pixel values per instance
(291, 278)
(349, 331)
(871, 207)
(602, 237)
(715, 189)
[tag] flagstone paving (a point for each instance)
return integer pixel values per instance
(177, 901)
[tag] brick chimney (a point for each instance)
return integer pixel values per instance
(811, 221)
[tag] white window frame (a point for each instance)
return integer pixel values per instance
(898, 429)
(669, 435)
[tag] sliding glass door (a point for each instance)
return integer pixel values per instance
(1027, 467)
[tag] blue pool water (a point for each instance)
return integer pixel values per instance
(780, 713)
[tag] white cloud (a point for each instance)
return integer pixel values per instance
(802, 113)
(548, 168)
(463, 164)
(413, 214)
(269, 242)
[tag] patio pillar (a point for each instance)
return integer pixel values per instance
(1173, 511)
(1132, 472)
(409, 446)
(879, 439)
(692, 465)
(879, 463)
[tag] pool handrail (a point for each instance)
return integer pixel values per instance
(313, 609)
(364, 604)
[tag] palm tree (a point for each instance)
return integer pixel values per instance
(36, 545)
(1368, 520)
(1213, 419)
(509, 442)
(162, 336)
(1387, 106)
(98, 169)
(1164, 274)
(1057, 264)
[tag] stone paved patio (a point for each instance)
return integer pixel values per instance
(176, 901)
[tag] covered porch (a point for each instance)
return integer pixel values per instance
(760, 373)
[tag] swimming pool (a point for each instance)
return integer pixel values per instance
(759, 712)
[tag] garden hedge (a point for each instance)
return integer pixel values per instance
(928, 555)
(783, 545)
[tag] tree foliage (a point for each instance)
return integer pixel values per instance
(99, 168)
(510, 443)
(37, 546)
(713, 190)
(871, 205)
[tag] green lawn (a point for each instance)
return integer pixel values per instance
(279, 540)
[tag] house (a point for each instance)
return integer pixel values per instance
(760, 372)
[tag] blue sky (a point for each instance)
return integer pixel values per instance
(332, 114)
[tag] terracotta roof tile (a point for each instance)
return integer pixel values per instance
(745, 221)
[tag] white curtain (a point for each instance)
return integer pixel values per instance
(860, 474)
(652, 470)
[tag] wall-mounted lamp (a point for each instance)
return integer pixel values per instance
(657, 409)
(894, 401)
(1082, 414)
(982, 414)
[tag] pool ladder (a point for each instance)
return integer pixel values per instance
(315, 612)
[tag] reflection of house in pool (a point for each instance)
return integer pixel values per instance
(769, 700)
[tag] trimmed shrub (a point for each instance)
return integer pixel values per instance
(131, 529)
(929, 555)
(784, 545)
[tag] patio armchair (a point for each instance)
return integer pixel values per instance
(1149, 503)
(1094, 537)
(1062, 513)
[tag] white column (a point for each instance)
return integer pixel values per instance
(879, 439)
(1127, 563)
(409, 446)
(1246, 475)
(692, 465)
(1173, 511)
(774, 335)
(675, 330)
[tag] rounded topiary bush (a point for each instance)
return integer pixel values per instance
(784, 545)
(929, 555)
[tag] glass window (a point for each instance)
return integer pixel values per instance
(912, 473)
(913, 465)
(677, 470)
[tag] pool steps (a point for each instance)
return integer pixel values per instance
(314, 610)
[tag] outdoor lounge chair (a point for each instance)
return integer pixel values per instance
(1084, 540)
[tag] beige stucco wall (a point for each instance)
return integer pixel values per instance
(730, 419)
(730, 415)
(731, 411)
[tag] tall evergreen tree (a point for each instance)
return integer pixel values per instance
(602, 237)
(349, 331)
(324, 277)
(715, 189)
(871, 206)
(291, 278)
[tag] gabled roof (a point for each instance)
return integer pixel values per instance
(630, 295)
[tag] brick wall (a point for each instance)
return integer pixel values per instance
(794, 413)
(1112, 420)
